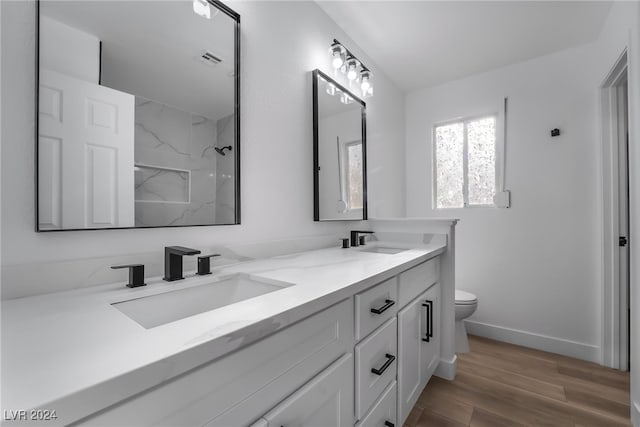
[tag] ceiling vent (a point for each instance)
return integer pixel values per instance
(208, 58)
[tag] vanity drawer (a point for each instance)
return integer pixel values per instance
(375, 306)
(237, 389)
(418, 279)
(383, 411)
(376, 365)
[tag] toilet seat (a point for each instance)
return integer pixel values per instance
(465, 298)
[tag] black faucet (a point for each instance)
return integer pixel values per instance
(355, 241)
(173, 261)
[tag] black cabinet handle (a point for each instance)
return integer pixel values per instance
(390, 359)
(429, 334)
(387, 303)
(389, 424)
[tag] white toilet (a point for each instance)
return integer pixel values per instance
(466, 305)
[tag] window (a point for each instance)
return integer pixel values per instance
(354, 154)
(351, 160)
(465, 162)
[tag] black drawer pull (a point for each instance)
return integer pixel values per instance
(429, 334)
(390, 359)
(389, 424)
(388, 303)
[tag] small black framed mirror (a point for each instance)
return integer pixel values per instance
(339, 151)
(138, 114)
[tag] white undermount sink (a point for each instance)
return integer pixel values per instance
(155, 310)
(383, 250)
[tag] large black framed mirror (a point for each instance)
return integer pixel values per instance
(339, 151)
(138, 114)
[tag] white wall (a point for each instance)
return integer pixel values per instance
(281, 43)
(81, 61)
(533, 266)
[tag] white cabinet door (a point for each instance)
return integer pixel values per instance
(431, 348)
(86, 156)
(238, 388)
(418, 348)
(326, 400)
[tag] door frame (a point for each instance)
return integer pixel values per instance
(615, 334)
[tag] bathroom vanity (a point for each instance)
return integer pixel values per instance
(332, 337)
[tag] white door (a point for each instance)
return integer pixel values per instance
(85, 154)
(326, 400)
(418, 348)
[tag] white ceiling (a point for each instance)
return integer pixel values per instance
(425, 43)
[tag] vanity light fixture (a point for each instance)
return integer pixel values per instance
(202, 8)
(346, 62)
(345, 98)
(331, 89)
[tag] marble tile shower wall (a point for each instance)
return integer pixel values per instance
(225, 182)
(176, 166)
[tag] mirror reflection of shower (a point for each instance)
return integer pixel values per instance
(221, 150)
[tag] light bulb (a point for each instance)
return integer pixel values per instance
(337, 60)
(352, 68)
(345, 99)
(365, 76)
(337, 52)
(202, 8)
(331, 89)
(352, 74)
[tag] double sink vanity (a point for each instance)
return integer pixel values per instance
(330, 337)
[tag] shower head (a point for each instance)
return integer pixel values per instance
(221, 150)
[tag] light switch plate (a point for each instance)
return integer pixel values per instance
(502, 199)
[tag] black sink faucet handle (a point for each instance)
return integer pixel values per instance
(355, 236)
(173, 261)
(204, 264)
(136, 274)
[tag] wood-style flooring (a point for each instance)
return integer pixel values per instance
(499, 384)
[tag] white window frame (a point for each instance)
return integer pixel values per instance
(499, 160)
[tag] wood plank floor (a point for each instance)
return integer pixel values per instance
(499, 384)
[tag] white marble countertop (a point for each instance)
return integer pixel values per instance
(75, 353)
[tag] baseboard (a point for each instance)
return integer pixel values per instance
(578, 350)
(447, 368)
(635, 414)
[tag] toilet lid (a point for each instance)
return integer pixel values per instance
(463, 297)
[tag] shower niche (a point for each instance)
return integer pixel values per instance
(138, 123)
(339, 151)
